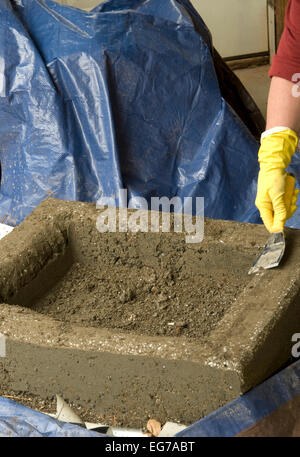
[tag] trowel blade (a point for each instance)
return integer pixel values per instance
(271, 254)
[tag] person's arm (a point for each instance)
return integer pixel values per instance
(276, 196)
(283, 106)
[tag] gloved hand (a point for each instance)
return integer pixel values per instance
(276, 194)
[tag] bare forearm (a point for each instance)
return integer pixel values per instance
(283, 106)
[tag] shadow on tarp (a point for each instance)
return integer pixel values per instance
(270, 410)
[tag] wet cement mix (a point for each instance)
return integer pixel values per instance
(138, 283)
(152, 284)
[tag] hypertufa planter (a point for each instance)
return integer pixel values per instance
(141, 325)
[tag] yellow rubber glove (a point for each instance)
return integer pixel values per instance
(276, 194)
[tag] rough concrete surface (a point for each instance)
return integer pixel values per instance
(140, 325)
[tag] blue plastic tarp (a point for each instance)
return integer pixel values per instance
(124, 96)
(19, 421)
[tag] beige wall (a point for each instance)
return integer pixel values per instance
(82, 4)
(238, 26)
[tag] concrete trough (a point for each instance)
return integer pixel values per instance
(165, 330)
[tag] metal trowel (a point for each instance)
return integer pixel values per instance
(271, 254)
(273, 250)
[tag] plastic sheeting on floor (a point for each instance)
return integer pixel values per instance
(271, 409)
(19, 421)
(125, 96)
